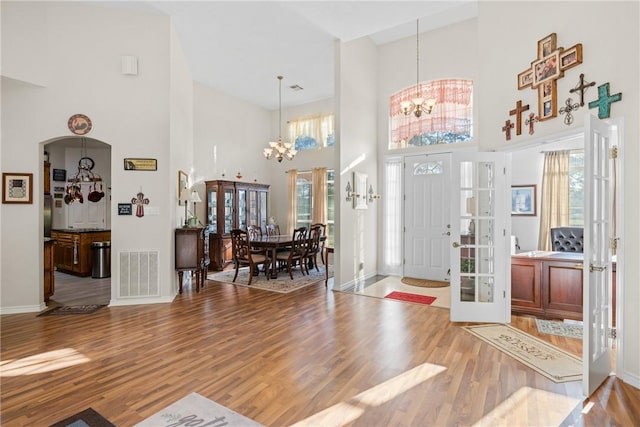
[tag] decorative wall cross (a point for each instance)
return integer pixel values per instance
(530, 122)
(140, 201)
(582, 87)
(604, 101)
(568, 108)
(518, 113)
(507, 129)
(545, 70)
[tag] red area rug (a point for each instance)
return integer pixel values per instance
(403, 296)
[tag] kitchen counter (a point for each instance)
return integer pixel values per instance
(73, 248)
(81, 230)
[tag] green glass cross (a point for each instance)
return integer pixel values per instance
(604, 101)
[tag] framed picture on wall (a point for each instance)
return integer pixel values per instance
(183, 184)
(17, 188)
(523, 200)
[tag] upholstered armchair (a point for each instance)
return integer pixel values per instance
(567, 239)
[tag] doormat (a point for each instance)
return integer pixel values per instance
(72, 309)
(562, 329)
(424, 283)
(196, 410)
(418, 299)
(89, 417)
(556, 364)
(282, 284)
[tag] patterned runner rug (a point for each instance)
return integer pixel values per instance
(196, 410)
(556, 364)
(283, 284)
(562, 329)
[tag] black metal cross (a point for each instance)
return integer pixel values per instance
(567, 109)
(582, 87)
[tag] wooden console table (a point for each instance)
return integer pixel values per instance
(192, 254)
(548, 285)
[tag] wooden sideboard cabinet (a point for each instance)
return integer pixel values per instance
(549, 285)
(232, 205)
(192, 253)
(73, 249)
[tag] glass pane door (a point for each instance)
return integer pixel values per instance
(228, 210)
(242, 209)
(212, 215)
(479, 256)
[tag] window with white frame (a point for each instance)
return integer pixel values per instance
(312, 132)
(392, 217)
(576, 188)
(451, 120)
(304, 194)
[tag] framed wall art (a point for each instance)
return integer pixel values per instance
(140, 164)
(523, 200)
(17, 188)
(183, 184)
(571, 57)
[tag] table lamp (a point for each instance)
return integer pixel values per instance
(184, 198)
(195, 198)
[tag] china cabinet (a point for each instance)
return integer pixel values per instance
(229, 205)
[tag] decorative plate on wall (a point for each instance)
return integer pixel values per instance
(79, 124)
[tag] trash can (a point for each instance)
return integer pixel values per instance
(101, 265)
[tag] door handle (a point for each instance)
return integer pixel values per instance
(456, 244)
(593, 268)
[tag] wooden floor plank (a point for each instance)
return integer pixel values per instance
(279, 359)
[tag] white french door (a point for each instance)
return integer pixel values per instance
(479, 252)
(596, 344)
(426, 216)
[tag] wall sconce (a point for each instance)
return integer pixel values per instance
(350, 193)
(373, 196)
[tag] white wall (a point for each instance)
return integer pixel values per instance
(527, 167)
(507, 41)
(356, 82)
(304, 161)
(130, 113)
(229, 135)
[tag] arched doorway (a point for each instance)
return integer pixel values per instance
(76, 212)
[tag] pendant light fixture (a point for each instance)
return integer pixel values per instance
(418, 104)
(280, 149)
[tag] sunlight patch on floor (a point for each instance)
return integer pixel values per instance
(346, 412)
(530, 407)
(43, 362)
(392, 283)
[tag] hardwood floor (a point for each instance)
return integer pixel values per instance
(311, 357)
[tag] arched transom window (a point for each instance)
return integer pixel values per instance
(450, 121)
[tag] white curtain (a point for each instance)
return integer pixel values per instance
(392, 217)
(554, 209)
(292, 205)
(319, 188)
(316, 127)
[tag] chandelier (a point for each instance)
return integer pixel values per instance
(279, 148)
(418, 104)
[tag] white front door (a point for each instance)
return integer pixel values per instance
(426, 216)
(596, 343)
(480, 256)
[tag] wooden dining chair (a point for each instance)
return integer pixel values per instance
(313, 247)
(273, 230)
(322, 241)
(243, 255)
(296, 253)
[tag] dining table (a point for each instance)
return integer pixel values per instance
(272, 244)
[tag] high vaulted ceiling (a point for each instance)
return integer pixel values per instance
(240, 47)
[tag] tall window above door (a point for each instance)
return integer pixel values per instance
(314, 132)
(451, 120)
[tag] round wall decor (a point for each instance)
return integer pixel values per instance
(79, 124)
